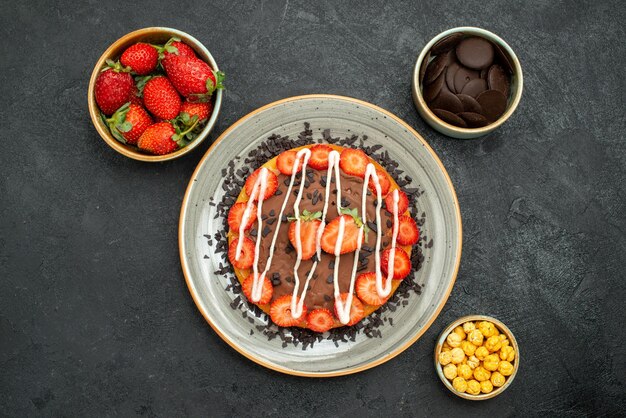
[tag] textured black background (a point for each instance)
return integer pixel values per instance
(95, 317)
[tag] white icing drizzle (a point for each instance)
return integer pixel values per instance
(297, 304)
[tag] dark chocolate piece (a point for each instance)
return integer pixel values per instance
(483, 73)
(450, 118)
(474, 120)
(504, 59)
(475, 52)
(423, 67)
(432, 90)
(450, 73)
(464, 76)
(435, 68)
(469, 103)
(447, 43)
(498, 79)
(447, 101)
(493, 103)
(474, 87)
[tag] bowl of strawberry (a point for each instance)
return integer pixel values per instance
(155, 94)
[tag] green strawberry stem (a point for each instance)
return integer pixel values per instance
(179, 137)
(116, 66)
(117, 123)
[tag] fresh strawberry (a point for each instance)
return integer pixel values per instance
(401, 263)
(174, 47)
(280, 312)
(309, 223)
(246, 258)
(135, 97)
(320, 320)
(319, 156)
(403, 202)
(200, 109)
(129, 123)
(272, 184)
(408, 233)
(114, 87)
(141, 58)
(384, 182)
(192, 77)
(357, 312)
(161, 99)
(365, 287)
(235, 215)
(331, 232)
(266, 291)
(353, 162)
(158, 139)
(285, 162)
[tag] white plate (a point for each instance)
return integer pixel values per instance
(344, 117)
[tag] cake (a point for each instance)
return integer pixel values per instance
(320, 237)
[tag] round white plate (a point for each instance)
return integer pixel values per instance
(344, 117)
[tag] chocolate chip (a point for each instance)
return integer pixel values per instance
(469, 103)
(493, 103)
(474, 120)
(464, 76)
(474, 87)
(447, 101)
(435, 68)
(498, 79)
(450, 73)
(327, 298)
(450, 118)
(447, 43)
(330, 279)
(475, 52)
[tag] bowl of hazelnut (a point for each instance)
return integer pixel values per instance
(477, 357)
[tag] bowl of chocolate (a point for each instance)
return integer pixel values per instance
(467, 82)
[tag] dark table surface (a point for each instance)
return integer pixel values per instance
(95, 317)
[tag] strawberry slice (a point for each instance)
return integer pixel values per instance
(319, 156)
(357, 312)
(353, 162)
(235, 215)
(384, 182)
(285, 162)
(403, 202)
(366, 289)
(331, 233)
(320, 320)
(266, 292)
(401, 263)
(280, 312)
(309, 223)
(408, 234)
(272, 184)
(246, 258)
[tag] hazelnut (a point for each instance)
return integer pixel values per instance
(454, 340)
(481, 353)
(464, 371)
(507, 353)
(497, 379)
(493, 343)
(459, 384)
(449, 371)
(457, 355)
(473, 387)
(445, 357)
(468, 348)
(491, 362)
(445, 346)
(481, 374)
(475, 337)
(459, 331)
(486, 386)
(503, 340)
(505, 368)
(469, 327)
(473, 362)
(487, 328)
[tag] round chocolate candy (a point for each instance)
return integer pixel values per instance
(469, 104)
(474, 120)
(493, 103)
(474, 87)
(503, 58)
(432, 90)
(483, 73)
(423, 67)
(435, 68)
(463, 76)
(450, 118)
(447, 101)
(475, 52)
(498, 79)
(450, 73)
(447, 43)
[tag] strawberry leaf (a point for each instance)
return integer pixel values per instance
(125, 127)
